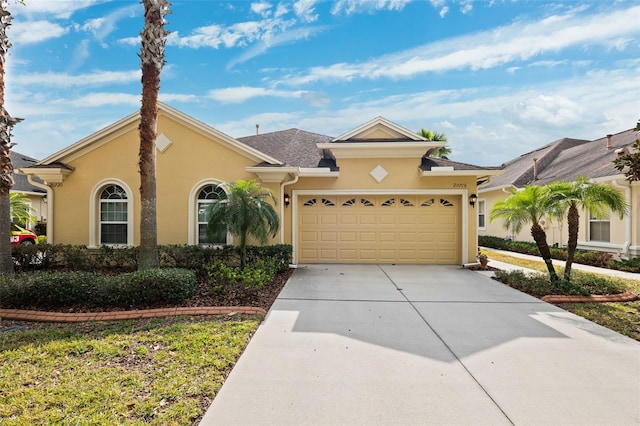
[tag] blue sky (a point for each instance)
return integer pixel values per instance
(498, 77)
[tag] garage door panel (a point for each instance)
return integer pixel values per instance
(379, 229)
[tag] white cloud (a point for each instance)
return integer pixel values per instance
(444, 11)
(305, 10)
(93, 100)
(350, 7)
(105, 25)
(466, 7)
(517, 42)
(262, 8)
(52, 8)
(64, 80)
(263, 46)
(244, 93)
(35, 31)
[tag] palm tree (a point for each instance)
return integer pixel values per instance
(435, 136)
(6, 166)
(245, 213)
(599, 199)
(21, 210)
(529, 206)
(152, 60)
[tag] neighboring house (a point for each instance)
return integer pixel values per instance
(566, 159)
(35, 192)
(370, 195)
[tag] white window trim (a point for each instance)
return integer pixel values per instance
(94, 210)
(484, 201)
(192, 236)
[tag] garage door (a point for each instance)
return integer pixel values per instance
(379, 229)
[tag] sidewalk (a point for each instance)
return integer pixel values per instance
(576, 266)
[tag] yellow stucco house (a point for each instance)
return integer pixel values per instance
(566, 159)
(371, 195)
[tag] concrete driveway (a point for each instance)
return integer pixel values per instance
(406, 344)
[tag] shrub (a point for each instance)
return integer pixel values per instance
(242, 281)
(32, 257)
(124, 258)
(280, 253)
(593, 258)
(539, 285)
(631, 265)
(192, 256)
(89, 289)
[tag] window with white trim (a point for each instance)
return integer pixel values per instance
(482, 214)
(599, 228)
(207, 196)
(113, 215)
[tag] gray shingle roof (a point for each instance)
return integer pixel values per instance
(564, 159)
(429, 162)
(294, 147)
(21, 182)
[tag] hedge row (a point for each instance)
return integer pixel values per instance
(80, 258)
(585, 257)
(146, 288)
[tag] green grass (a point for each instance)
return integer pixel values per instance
(623, 318)
(160, 371)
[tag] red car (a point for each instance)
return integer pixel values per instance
(20, 235)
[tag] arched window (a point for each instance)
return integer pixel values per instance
(207, 196)
(113, 215)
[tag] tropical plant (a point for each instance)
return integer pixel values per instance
(245, 213)
(442, 152)
(600, 199)
(154, 38)
(629, 163)
(6, 166)
(21, 210)
(529, 206)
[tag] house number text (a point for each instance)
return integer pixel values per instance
(459, 185)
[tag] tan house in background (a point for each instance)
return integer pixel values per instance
(34, 191)
(371, 195)
(566, 159)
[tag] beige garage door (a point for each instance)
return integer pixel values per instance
(379, 229)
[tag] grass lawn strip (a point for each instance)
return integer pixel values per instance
(623, 318)
(162, 371)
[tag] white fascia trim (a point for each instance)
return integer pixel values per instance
(47, 174)
(380, 121)
(426, 173)
(318, 172)
(86, 141)
(496, 188)
(462, 192)
(273, 174)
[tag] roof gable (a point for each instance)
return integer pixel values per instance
(379, 129)
(130, 122)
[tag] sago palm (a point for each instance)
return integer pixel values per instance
(529, 206)
(600, 199)
(247, 212)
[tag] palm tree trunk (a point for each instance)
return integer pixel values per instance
(152, 59)
(573, 221)
(540, 237)
(6, 166)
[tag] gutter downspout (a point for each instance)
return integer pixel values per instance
(49, 206)
(282, 207)
(627, 219)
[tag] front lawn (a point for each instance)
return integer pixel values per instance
(163, 371)
(623, 318)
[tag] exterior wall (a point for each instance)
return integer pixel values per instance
(403, 175)
(192, 158)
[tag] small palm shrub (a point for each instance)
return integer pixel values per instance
(228, 279)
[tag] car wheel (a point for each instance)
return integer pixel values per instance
(27, 243)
